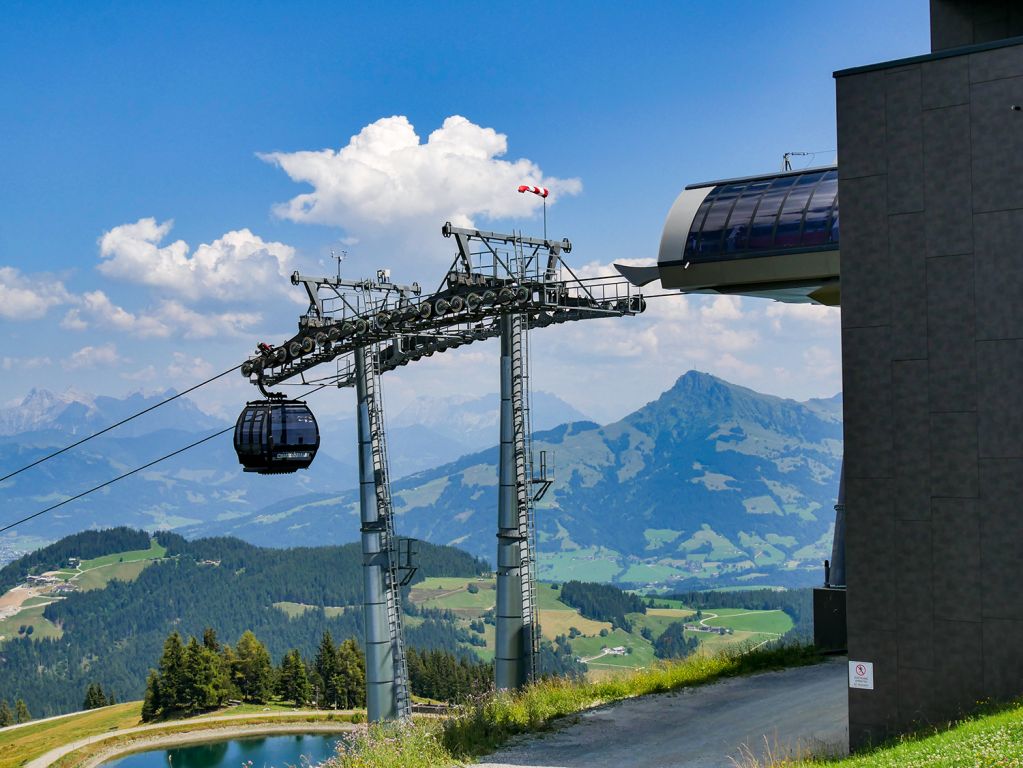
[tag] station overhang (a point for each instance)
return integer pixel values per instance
(770, 236)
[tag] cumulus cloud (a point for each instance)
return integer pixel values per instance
(28, 297)
(204, 325)
(386, 175)
(234, 264)
(92, 357)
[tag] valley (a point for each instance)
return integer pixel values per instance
(604, 648)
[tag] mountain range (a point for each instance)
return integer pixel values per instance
(710, 484)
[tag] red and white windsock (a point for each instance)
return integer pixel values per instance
(542, 191)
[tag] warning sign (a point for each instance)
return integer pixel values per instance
(861, 675)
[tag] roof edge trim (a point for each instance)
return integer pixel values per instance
(762, 176)
(947, 53)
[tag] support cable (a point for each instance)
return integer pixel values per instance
(67, 448)
(133, 471)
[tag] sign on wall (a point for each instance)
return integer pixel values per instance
(861, 675)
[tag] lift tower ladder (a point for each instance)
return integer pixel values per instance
(390, 543)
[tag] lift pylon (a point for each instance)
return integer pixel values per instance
(497, 286)
(387, 689)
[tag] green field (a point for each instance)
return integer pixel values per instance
(100, 576)
(30, 617)
(558, 618)
(90, 574)
(770, 622)
(294, 610)
(154, 552)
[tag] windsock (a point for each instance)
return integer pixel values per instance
(542, 191)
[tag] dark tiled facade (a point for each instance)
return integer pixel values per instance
(931, 159)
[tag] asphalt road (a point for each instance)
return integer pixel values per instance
(784, 712)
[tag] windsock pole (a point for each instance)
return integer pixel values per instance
(542, 192)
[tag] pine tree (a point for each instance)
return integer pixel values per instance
(254, 670)
(21, 712)
(203, 692)
(151, 704)
(173, 693)
(293, 684)
(209, 639)
(325, 664)
(6, 716)
(94, 697)
(350, 675)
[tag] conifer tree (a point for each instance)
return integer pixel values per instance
(151, 704)
(254, 671)
(173, 694)
(21, 714)
(350, 675)
(325, 665)
(6, 716)
(203, 691)
(94, 697)
(293, 684)
(209, 639)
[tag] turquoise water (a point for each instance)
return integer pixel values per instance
(257, 752)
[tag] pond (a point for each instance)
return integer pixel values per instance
(257, 752)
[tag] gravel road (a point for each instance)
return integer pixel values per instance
(702, 727)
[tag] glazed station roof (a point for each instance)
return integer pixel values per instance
(775, 236)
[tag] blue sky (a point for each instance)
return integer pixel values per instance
(117, 113)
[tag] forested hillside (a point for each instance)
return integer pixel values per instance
(84, 545)
(112, 635)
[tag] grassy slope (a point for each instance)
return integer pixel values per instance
(557, 618)
(991, 740)
(487, 723)
(23, 744)
(91, 574)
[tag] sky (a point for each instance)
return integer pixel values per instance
(166, 166)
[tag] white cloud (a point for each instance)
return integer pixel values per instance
(92, 357)
(199, 325)
(815, 318)
(24, 297)
(385, 175)
(232, 266)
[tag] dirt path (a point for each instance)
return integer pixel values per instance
(201, 733)
(700, 727)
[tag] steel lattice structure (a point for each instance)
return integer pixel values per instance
(499, 285)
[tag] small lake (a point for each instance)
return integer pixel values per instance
(259, 751)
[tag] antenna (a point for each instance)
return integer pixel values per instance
(338, 259)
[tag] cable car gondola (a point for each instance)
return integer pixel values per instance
(275, 436)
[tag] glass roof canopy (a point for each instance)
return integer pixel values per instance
(775, 236)
(765, 216)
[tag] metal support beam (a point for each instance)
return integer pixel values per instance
(386, 681)
(837, 575)
(510, 667)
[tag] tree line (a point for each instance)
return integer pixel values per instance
(202, 675)
(114, 635)
(672, 643)
(19, 715)
(602, 602)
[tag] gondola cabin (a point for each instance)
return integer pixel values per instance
(772, 236)
(276, 436)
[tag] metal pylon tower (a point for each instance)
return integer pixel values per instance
(515, 662)
(387, 687)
